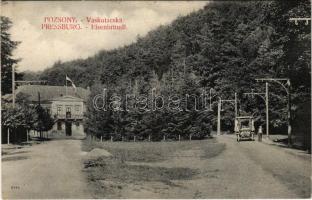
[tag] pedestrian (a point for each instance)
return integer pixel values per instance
(260, 133)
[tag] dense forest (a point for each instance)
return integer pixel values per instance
(224, 46)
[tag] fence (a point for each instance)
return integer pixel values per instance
(150, 138)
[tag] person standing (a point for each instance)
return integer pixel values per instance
(260, 133)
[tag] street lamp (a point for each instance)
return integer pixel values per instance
(13, 86)
(265, 97)
(285, 83)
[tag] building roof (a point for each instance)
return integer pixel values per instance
(67, 98)
(48, 92)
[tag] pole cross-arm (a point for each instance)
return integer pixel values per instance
(279, 81)
(296, 19)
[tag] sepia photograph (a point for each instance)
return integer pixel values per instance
(156, 99)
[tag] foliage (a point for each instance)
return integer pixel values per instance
(44, 121)
(14, 117)
(7, 60)
(224, 46)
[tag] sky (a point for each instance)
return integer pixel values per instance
(39, 49)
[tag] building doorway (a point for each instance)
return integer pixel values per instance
(68, 128)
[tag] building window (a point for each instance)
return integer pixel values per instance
(59, 110)
(59, 126)
(68, 109)
(77, 108)
(68, 112)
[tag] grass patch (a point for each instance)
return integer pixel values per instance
(113, 170)
(107, 176)
(154, 151)
(14, 158)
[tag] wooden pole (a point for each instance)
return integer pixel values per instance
(179, 137)
(219, 118)
(289, 114)
(111, 138)
(8, 136)
(149, 138)
(27, 132)
(184, 67)
(39, 99)
(235, 105)
(66, 85)
(210, 107)
(267, 108)
(190, 137)
(134, 139)
(101, 138)
(13, 86)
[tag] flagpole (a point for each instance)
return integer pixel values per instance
(66, 85)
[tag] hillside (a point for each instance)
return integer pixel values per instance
(224, 46)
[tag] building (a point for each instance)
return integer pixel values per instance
(66, 106)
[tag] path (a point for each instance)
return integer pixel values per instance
(247, 169)
(47, 170)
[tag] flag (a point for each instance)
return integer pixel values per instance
(68, 79)
(74, 86)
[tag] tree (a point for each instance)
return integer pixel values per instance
(224, 46)
(7, 60)
(22, 116)
(30, 114)
(12, 118)
(98, 121)
(44, 121)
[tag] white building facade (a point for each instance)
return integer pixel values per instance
(65, 105)
(68, 112)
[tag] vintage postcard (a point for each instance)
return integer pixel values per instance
(156, 99)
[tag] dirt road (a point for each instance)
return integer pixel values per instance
(47, 170)
(243, 170)
(255, 170)
(247, 169)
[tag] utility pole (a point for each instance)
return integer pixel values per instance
(210, 98)
(8, 135)
(40, 131)
(13, 86)
(184, 66)
(287, 86)
(289, 113)
(267, 108)
(265, 97)
(219, 110)
(235, 104)
(66, 85)
(219, 117)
